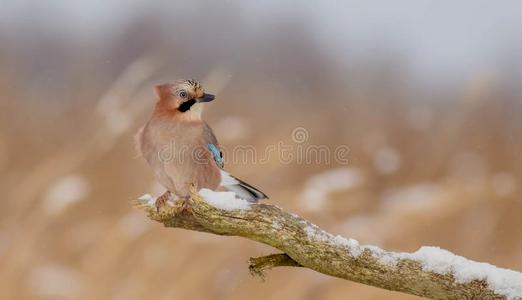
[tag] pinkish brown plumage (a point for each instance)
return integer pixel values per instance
(179, 145)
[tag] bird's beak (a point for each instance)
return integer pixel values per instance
(205, 98)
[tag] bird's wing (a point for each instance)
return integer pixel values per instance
(213, 146)
(209, 135)
(229, 182)
(217, 155)
(242, 189)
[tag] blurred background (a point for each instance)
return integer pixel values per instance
(426, 95)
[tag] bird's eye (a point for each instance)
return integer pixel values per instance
(183, 94)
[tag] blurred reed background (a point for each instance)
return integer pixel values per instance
(426, 94)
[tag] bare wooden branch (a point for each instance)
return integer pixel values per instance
(304, 244)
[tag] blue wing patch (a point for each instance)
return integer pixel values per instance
(216, 153)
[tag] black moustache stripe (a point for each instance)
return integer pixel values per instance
(186, 105)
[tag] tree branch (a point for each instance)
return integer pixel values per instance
(260, 264)
(304, 244)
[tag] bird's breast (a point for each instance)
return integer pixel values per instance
(171, 140)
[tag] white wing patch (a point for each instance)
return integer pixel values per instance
(227, 179)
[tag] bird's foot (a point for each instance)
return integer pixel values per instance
(162, 200)
(185, 206)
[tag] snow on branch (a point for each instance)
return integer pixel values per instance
(430, 272)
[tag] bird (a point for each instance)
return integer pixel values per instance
(182, 149)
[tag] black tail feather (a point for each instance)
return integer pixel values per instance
(246, 191)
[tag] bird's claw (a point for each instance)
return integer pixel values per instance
(162, 201)
(185, 206)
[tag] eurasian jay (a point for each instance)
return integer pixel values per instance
(182, 149)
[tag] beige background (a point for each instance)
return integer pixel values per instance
(430, 111)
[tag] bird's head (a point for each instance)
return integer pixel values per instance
(183, 96)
